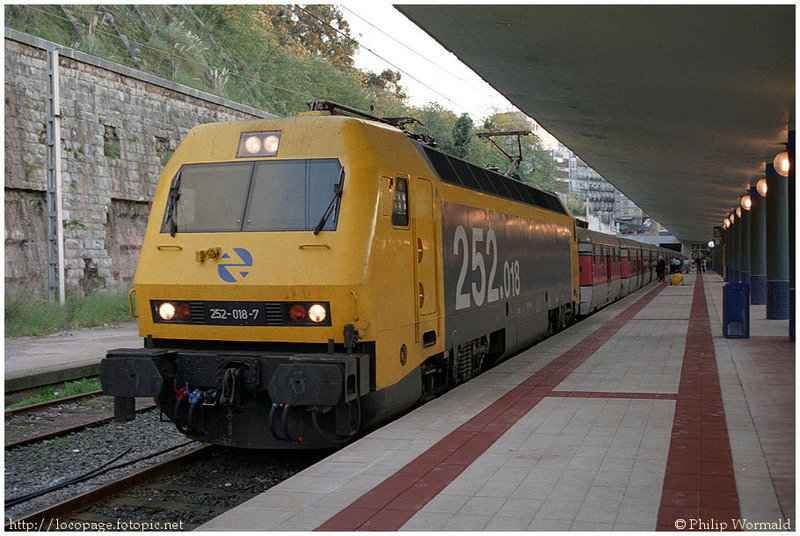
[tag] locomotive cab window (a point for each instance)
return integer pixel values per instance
(279, 195)
(400, 203)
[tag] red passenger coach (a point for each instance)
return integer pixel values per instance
(600, 270)
(611, 267)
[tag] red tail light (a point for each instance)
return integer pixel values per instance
(183, 312)
(297, 313)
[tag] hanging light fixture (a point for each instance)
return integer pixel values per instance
(761, 187)
(746, 202)
(782, 164)
(738, 212)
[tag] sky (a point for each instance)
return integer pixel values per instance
(430, 73)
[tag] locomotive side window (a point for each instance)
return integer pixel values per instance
(279, 195)
(400, 203)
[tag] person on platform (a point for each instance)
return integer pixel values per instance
(661, 269)
(676, 278)
(701, 265)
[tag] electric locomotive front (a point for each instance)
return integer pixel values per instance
(255, 283)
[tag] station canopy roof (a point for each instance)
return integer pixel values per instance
(677, 106)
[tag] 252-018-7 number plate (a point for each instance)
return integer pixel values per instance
(235, 313)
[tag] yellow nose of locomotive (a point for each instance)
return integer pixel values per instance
(254, 288)
(247, 239)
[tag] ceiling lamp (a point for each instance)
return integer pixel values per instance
(746, 202)
(738, 212)
(782, 164)
(761, 187)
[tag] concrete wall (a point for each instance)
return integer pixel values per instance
(118, 127)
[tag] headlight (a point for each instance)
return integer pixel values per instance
(258, 144)
(317, 313)
(252, 145)
(166, 311)
(307, 313)
(271, 144)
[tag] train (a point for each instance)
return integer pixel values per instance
(304, 279)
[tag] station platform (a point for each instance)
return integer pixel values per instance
(35, 361)
(641, 417)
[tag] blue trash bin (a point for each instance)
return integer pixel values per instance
(736, 311)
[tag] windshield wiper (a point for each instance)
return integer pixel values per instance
(337, 194)
(172, 201)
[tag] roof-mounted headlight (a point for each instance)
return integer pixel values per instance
(253, 144)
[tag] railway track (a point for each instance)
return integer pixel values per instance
(55, 418)
(50, 403)
(180, 493)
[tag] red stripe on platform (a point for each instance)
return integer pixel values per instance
(390, 504)
(699, 482)
(612, 394)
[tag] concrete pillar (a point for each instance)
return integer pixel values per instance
(791, 206)
(758, 257)
(744, 276)
(724, 255)
(736, 250)
(777, 207)
(729, 254)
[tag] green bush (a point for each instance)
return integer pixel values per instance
(35, 319)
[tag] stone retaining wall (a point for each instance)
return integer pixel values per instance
(118, 128)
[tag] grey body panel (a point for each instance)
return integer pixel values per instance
(501, 271)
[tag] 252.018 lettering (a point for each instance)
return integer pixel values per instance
(472, 254)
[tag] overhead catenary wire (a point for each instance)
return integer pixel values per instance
(448, 99)
(404, 45)
(482, 115)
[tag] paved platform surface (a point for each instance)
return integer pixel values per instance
(31, 360)
(641, 417)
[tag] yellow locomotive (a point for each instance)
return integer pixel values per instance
(302, 279)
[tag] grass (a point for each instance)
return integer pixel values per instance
(25, 319)
(53, 392)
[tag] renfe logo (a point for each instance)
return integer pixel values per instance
(228, 275)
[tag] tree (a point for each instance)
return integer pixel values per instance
(462, 132)
(438, 122)
(386, 95)
(576, 205)
(537, 165)
(319, 29)
(388, 80)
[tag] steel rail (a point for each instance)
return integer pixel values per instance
(68, 430)
(50, 403)
(62, 510)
